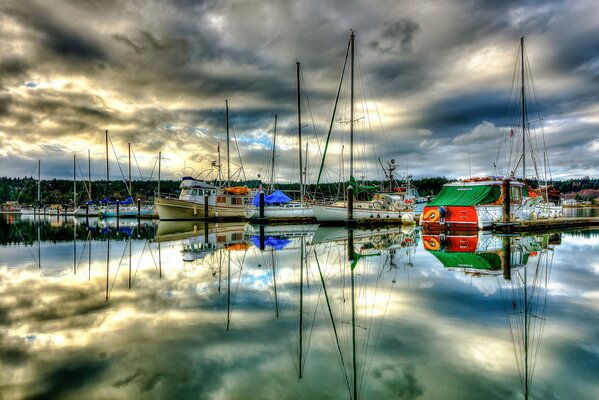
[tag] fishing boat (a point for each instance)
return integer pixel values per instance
(278, 204)
(199, 199)
(382, 205)
(480, 202)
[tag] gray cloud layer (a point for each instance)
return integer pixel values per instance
(156, 74)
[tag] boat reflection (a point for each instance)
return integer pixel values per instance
(524, 263)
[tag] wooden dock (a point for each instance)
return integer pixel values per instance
(550, 224)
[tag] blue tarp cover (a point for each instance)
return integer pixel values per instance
(274, 242)
(127, 201)
(276, 197)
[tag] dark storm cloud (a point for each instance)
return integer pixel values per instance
(396, 36)
(56, 36)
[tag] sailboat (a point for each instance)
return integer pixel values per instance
(277, 204)
(383, 205)
(199, 199)
(90, 209)
(36, 209)
(478, 203)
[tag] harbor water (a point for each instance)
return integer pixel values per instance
(100, 309)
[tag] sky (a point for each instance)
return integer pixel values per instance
(433, 78)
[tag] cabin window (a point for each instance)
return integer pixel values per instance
(236, 200)
(221, 238)
(185, 192)
(194, 192)
(236, 236)
(221, 199)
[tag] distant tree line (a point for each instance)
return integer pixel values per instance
(60, 191)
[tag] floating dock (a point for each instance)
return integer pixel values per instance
(550, 224)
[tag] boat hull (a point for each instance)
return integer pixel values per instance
(175, 209)
(339, 213)
(290, 210)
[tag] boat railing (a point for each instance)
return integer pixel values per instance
(166, 195)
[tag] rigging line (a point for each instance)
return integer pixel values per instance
(27, 181)
(84, 179)
(311, 115)
(138, 170)
(119, 164)
(139, 262)
(153, 169)
(333, 115)
(116, 274)
(238, 153)
(81, 256)
(361, 74)
(34, 258)
(376, 107)
(309, 341)
(332, 321)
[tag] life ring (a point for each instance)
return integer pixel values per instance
(432, 244)
(431, 215)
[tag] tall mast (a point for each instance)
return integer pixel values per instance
(89, 174)
(107, 174)
(299, 130)
(74, 180)
(228, 154)
(129, 146)
(272, 163)
(219, 166)
(159, 162)
(523, 112)
(39, 183)
(351, 112)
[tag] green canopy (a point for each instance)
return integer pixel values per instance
(486, 261)
(362, 188)
(466, 195)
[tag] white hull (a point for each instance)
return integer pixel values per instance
(289, 210)
(339, 213)
(175, 209)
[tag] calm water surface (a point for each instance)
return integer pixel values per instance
(97, 310)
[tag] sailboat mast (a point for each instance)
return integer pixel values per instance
(219, 166)
(159, 166)
(39, 183)
(107, 173)
(272, 162)
(129, 146)
(523, 112)
(351, 112)
(299, 129)
(74, 180)
(228, 153)
(89, 174)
